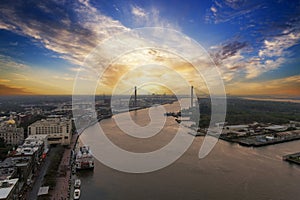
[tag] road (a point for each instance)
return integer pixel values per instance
(32, 194)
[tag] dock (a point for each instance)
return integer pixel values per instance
(254, 143)
(292, 158)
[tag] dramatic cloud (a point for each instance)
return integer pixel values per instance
(277, 46)
(150, 18)
(19, 78)
(228, 57)
(273, 36)
(234, 63)
(233, 59)
(4, 80)
(77, 30)
(138, 12)
(7, 90)
(261, 38)
(290, 86)
(223, 11)
(8, 63)
(227, 50)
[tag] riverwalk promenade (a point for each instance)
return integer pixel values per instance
(63, 181)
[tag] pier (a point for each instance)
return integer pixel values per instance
(292, 158)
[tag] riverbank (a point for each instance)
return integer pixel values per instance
(273, 99)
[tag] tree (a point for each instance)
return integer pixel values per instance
(2, 143)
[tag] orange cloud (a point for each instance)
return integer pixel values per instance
(8, 90)
(284, 86)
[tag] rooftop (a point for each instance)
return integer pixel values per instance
(52, 121)
(6, 187)
(276, 127)
(7, 168)
(237, 126)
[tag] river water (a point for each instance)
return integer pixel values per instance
(229, 172)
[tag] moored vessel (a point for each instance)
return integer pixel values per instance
(84, 158)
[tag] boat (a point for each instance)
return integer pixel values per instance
(84, 158)
(76, 194)
(77, 183)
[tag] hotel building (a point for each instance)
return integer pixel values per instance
(57, 129)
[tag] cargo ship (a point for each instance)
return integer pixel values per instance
(84, 158)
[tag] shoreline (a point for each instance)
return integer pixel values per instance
(272, 99)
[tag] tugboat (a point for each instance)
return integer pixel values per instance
(84, 158)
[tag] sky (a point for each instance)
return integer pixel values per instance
(44, 44)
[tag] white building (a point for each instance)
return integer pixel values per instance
(9, 189)
(32, 139)
(57, 129)
(236, 127)
(294, 124)
(11, 133)
(276, 128)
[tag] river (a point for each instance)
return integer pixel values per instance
(229, 172)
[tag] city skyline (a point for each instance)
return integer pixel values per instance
(254, 44)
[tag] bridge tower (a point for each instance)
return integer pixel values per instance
(135, 96)
(192, 96)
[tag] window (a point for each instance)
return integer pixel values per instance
(54, 139)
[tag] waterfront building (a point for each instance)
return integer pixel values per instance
(294, 124)
(57, 129)
(236, 127)
(276, 128)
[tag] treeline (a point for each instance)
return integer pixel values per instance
(4, 148)
(14, 103)
(242, 111)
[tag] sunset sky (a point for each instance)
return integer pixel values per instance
(254, 44)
